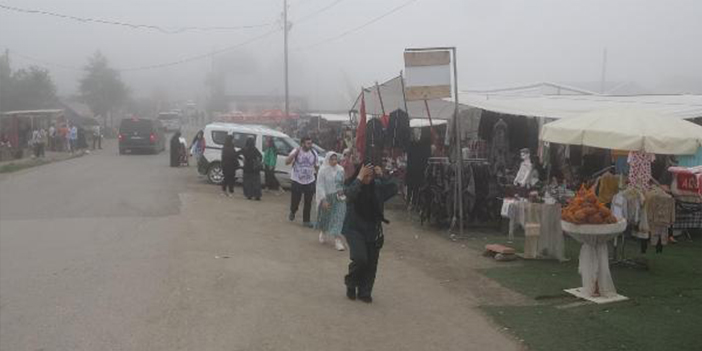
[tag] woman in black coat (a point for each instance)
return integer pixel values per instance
(175, 150)
(366, 193)
(252, 170)
(230, 163)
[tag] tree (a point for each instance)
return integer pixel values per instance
(102, 88)
(30, 88)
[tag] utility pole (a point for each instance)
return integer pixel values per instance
(285, 44)
(603, 78)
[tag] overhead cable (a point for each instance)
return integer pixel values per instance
(356, 29)
(161, 29)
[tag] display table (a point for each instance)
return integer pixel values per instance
(594, 258)
(542, 226)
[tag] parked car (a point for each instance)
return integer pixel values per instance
(172, 121)
(141, 135)
(216, 133)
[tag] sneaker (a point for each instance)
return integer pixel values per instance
(339, 245)
(291, 217)
(321, 237)
(230, 194)
(308, 224)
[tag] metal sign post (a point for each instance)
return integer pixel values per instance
(457, 123)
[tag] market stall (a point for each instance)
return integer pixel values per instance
(643, 208)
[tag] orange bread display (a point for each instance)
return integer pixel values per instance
(585, 208)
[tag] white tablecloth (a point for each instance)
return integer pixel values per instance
(594, 258)
(551, 243)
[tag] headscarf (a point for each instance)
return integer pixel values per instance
(327, 178)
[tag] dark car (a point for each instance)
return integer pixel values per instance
(141, 135)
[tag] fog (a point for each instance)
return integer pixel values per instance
(655, 43)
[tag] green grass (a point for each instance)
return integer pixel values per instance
(664, 311)
(14, 167)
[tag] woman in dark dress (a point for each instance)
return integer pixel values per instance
(252, 170)
(366, 192)
(230, 163)
(175, 150)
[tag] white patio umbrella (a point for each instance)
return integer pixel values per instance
(627, 129)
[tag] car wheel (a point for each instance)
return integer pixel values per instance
(215, 175)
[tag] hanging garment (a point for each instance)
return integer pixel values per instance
(361, 129)
(607, 188)
(640, 169)
(398, 131)
(374, 141)
(660, 214)
(499, 147)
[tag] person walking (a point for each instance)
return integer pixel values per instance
(175, 150)
(366, 193)
(73, 138)
(97, 137)
(43, 142)
(270, 161)
(331, 201)
(35, 140)
(230, 163)
(252, 170)
(304, 166)
(52, 138)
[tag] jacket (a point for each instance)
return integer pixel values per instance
(354, 224)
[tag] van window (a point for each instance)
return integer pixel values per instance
(219, 136)
(168, 116)
(283, 146)
(130, 126)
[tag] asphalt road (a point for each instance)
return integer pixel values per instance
(109, 252)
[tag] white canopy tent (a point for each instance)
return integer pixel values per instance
(568, 106)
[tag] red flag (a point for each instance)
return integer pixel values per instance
(361, 129)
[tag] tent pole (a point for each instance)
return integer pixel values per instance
(459, 151)
(404, 97)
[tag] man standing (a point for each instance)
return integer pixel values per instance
(304, 161)
(73, 138)
(52, 138)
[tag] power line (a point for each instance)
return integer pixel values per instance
(161, 29)
(202, 56)
(356, 29)
(315, 13)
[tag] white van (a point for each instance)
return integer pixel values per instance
(216, 133)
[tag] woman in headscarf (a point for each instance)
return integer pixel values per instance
(366, 193)
(230, 163)
(252, 170)
(331, 205)
(175, 150)
(270, 161)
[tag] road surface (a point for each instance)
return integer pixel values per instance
(109, 252)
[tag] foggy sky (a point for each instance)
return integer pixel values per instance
(657, 43)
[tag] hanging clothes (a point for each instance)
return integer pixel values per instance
(640, 169)
(499, 147)
(374, 141)
(660, 214)
(398, 131)
(691, 160)
(608, 186)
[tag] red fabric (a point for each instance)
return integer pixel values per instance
(361, 130)
(385, 120)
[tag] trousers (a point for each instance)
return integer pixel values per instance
(364, 264)
(271, 181)
(228, 182)
(298, 190)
